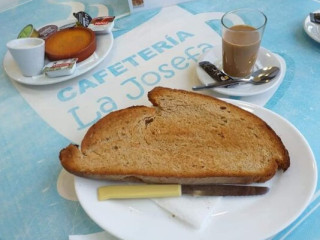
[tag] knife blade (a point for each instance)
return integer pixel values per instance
(176, 190)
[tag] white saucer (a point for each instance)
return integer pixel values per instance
(312, 29)
(257, 217)
(104, 45)
(265, 58)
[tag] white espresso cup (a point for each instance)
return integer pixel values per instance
(28, 53)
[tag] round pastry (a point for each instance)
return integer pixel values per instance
(78, 42)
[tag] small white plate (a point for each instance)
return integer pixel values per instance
(251, 218)
(265, 58)
(312, 29)
(104, 45)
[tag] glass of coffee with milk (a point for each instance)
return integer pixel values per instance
(242, 31)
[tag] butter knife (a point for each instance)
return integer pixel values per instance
(176, 190)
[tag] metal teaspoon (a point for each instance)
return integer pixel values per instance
(263, 75)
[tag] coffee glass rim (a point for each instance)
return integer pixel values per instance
(246, 9)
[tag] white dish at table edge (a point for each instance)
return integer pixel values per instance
(257, 217)
(312, 29)
(104, 45)
(265, 58)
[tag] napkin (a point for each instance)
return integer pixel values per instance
(195, 211)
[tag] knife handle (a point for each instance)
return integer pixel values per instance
(227, 83)
(139, 191)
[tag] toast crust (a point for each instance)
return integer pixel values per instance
(185, 138)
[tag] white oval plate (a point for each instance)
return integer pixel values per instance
(257, 217)
(312, 29)
(265, 58)
(104, 45)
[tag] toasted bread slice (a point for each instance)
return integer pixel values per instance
(185, 138)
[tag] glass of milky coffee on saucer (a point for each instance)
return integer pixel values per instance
(242, 31)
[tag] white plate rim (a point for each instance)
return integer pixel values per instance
(104, 45)
(142, 227)
(247, 89)
(307, 23)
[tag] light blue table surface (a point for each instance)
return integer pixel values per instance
(29, 212)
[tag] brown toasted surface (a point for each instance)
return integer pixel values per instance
(186, 138)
